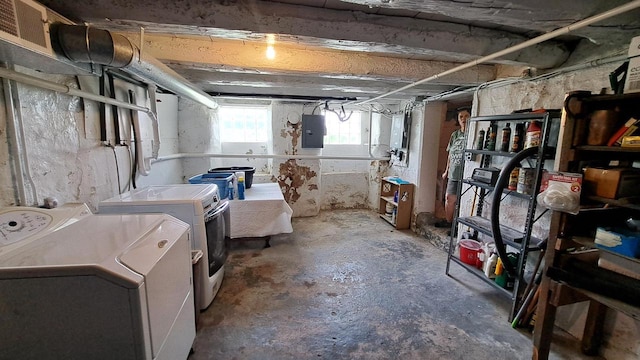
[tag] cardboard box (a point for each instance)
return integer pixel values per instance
(612, 183)
(632, 81)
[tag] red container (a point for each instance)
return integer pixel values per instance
(469, 250)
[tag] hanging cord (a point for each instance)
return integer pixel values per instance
(128, 185)
(473, 206)
(114, 109)
(135, 137)
(342, 115)
(115, 157)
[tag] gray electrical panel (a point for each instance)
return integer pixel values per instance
(313, 131)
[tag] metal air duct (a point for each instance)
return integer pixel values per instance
(84, 44)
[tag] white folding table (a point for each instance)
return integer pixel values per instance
(262, 213)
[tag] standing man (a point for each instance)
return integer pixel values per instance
(453, 172)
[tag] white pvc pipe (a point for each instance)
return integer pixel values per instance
(49, 85)
(23, 167)
(264, 156)
(13, 132)
(155, 145)
(544, 37)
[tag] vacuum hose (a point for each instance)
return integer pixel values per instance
(501, 183)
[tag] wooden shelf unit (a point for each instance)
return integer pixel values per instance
(403, 206)
(562, 283)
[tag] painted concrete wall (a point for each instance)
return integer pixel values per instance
(166, 172)
(622, 334)
(64, 162)
(380, 140)
(69, 162)
(414, 168)
(308, 185)
(197, 133)
(66, 158)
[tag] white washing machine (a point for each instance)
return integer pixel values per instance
(200, 206)
(103, 287)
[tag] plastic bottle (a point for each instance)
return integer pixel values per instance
(241, 187)
(499, 268)
(506, 138)
(480, 141)
(393, 215)
(481, 256)
(231, 191)
(532, 138)
(489, 266)
(516, 145)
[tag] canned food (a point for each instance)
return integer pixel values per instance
(525, 180)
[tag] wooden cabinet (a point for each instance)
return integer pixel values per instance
(515, 241)
(397, 195)
(573, 265)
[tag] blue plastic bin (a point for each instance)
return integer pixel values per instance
(629, 241)
(223, 180)
(248, 173)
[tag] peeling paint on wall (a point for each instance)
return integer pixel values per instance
(294, 131)
(292, 177)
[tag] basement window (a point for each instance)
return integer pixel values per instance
(347, 132)
(244, 124)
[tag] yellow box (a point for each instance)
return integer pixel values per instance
(631, 141)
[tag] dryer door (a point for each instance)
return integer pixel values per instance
(163, 257)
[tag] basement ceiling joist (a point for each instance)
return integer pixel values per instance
(322, 43)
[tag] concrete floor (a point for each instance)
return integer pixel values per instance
(346, 285)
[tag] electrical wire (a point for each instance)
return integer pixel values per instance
(115, 157)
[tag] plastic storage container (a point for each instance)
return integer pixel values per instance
(248, 173)
(619, 240)
(469, 250)
(505, 280)
(223, 180)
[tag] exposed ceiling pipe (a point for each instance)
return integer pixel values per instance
(85, 44)
(64, 89)
(265, 156)
(508, 81)
(544, 37)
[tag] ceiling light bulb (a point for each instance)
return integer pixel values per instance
(271, 52)
(271, 39)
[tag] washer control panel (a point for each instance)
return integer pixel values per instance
(19, 224)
